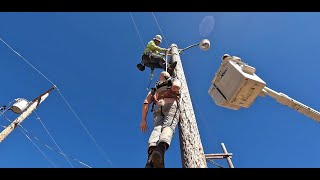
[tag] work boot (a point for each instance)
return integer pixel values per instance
(171, 68)
(141, 67)
(149, 163)
(157, 156)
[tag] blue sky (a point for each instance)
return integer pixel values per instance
(92, 58)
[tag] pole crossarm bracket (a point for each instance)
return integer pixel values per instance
(224, 155)
(218, 156)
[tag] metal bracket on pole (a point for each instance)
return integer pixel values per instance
(226, 155)
(181, 50)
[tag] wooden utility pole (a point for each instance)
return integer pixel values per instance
(33, 105)
(192, 154)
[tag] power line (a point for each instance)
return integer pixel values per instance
(100, 149)
(142, 43)
(160, 29)
(61, 153)
(38, 148)
(26, 61)
(136, 27)
(6, 108)
(87, 131)
(33, 144)
(51, 137)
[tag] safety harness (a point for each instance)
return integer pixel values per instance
(163, 90)
(149, 54)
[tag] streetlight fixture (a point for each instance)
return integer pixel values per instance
(204, 45)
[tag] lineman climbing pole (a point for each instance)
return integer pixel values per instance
(192, 154)
(32, 106)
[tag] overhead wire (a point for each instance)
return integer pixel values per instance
(38, 118)
(152, 74)
(34, 144)
(162, 36)
(7, 108)
(47, 146)
(160, 29)
(25, 60)
(38, 148)
(136, 27)
(87, 131)
(61, 153)
(89, 134)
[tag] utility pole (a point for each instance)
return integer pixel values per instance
(192, 154)
(32, 106)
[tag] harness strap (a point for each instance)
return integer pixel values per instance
(150, 77)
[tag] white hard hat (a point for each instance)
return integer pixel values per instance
(226, 56)
(158, 38)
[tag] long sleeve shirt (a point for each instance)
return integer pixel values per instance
(151, 46)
